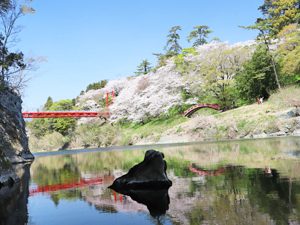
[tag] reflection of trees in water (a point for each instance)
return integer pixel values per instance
(106, 209)
(246, 196)
(241, 193)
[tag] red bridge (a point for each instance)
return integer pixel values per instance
(70, 184)
(208, 173)
(194, 108)
(65, 114)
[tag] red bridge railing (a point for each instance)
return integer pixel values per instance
(60, 114)
(208, 173)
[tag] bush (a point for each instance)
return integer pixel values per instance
(48, 142)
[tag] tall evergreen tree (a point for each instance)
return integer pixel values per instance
(143, 68)
(48, 104)
(172, 42)
(200, 34)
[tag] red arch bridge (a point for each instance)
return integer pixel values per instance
(194, 108)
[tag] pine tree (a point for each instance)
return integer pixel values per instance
(143, 68)
(200, 34)
(48, 104)
(172, 42)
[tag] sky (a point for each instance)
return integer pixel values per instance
(88, 41)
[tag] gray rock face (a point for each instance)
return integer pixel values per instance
(297, 123)
(296, 133)
(149, 174)
(278, 134)
(13, 138)
(262, 135)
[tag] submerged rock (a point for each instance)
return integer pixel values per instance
(149, 174)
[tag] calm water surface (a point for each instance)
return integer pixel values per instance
(224, 182)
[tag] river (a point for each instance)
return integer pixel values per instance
(222, 182)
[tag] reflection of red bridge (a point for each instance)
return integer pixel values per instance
(207, 173)
(68, 185)
(194, 108)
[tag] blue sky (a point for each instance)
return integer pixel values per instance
(87, 41)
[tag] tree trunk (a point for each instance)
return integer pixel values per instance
(275, 71)
(273, 64)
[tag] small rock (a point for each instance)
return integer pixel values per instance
(288, 126)
(284, 130)
(262, 135)
(297, 123)
(278, 134)
(248, 136)
(256, 131)
(296, 133)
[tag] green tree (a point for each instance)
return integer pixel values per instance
(98, 85)
(280, 13)
(143, 68)
(48, 104)
(42, 126)
(172, 42)
(266, 37)
(61, 125)
(216, 70)
(200, 34)
(183, 65)
(257, 78)
(162, 59)
(289, 50)
(11, 62)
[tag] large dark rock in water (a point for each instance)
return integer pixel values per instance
(147, 183)
(149, 174)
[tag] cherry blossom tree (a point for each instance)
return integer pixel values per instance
(162, 92)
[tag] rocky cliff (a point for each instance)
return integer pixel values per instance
(13, 138)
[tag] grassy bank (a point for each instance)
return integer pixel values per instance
(207, 124)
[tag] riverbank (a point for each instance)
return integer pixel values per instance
(274, 118)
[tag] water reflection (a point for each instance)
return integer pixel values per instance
(157, 201)
(234, 182)
(14, 198)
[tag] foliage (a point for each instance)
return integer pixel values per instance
(215, 67)
(143, 68)
(43, 126)
(280, 13)
(48, 142)
(147, 97)
(289, 50)
(180, 60)
(172, 42)
(98, 85)
(162, 59)
(95, 134)
(15, 69)
(257, 79)
(48, 104)
(143, 83)
(61, 125)
(200, 34)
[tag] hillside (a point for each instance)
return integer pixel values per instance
(149, 108)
